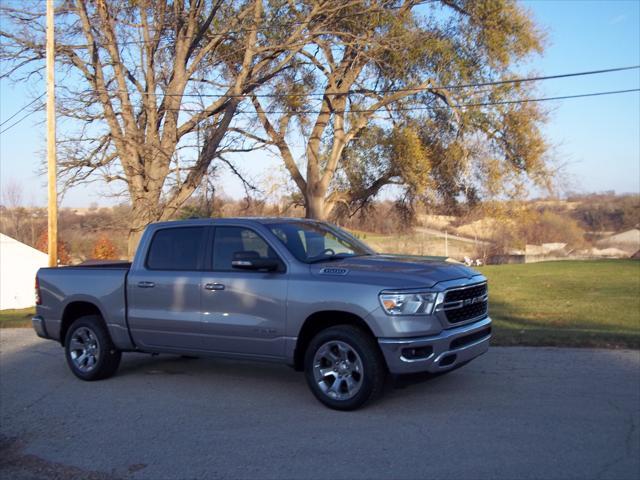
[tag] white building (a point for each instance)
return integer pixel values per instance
(18, 266)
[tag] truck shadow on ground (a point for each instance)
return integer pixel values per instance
(246, 379)
(248, 372)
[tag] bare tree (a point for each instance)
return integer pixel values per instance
(12, 213)
(12, 194)
(139, 79)
(377, 102)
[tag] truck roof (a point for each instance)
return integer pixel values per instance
(262, 220)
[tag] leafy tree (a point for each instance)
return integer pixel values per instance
(391, 110)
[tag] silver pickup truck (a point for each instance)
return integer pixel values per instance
(296, 291)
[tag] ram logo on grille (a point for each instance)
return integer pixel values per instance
(471, 301)
(466, 303)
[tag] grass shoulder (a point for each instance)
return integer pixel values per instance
(15, 318)
(566, 303)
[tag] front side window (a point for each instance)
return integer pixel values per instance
(176, 249)
(229, 241)
(313, 242)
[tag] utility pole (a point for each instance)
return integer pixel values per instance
(52, 227)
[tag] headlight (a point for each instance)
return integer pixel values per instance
(408, 303)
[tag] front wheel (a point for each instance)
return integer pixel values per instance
(344, 367)
(90, 352)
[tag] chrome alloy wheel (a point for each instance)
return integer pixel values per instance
(337, 369)
(84, 349)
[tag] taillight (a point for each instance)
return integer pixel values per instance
(38, 298)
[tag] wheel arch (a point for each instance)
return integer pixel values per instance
(319, 321)
(75, 310)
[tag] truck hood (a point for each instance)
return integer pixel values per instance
(394, 271)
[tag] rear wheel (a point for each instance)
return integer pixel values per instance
(89, 350)
(344, 367)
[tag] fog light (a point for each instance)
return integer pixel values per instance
(417, 353)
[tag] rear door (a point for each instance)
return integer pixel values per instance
(164, 293)
(243, 311)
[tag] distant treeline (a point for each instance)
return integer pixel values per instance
(607, 212)
(102, 232)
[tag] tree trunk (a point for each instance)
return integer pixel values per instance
(143, 212)
(315, 206)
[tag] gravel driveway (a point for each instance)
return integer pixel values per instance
(513, 413)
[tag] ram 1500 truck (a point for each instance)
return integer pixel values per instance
(301, 292)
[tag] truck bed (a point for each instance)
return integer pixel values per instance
(102, 284)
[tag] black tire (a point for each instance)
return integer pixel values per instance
(370, 381)
(89, 335)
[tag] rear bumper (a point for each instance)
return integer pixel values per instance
(39, 326)
(437, 353)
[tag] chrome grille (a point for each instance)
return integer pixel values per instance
(462, 304)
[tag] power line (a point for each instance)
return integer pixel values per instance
(415, 108)
(546, 99)
(23, 108)
(461, 105)
(18, 121)
(429, 107)
(383, 91)
(530, 79)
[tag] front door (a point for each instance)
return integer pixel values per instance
(243, 311)
(164, 294)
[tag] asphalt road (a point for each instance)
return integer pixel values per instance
(513, 413)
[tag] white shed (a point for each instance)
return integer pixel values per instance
(18, 266)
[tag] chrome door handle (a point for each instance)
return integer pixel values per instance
(146, 284)
(214, 286)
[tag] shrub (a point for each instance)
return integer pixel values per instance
(104, 249)
(63, 249)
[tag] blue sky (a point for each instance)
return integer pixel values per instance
(597, 139)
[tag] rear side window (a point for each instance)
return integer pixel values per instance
(231, 240)
(176, 249)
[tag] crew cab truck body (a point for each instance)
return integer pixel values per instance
(295, 291)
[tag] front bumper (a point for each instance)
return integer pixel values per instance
(437, 353)
(39, 326)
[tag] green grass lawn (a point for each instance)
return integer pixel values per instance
(16, 318)
(568, 303)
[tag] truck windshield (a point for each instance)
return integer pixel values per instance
(312, 242)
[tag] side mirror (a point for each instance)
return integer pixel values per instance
(251, 261)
